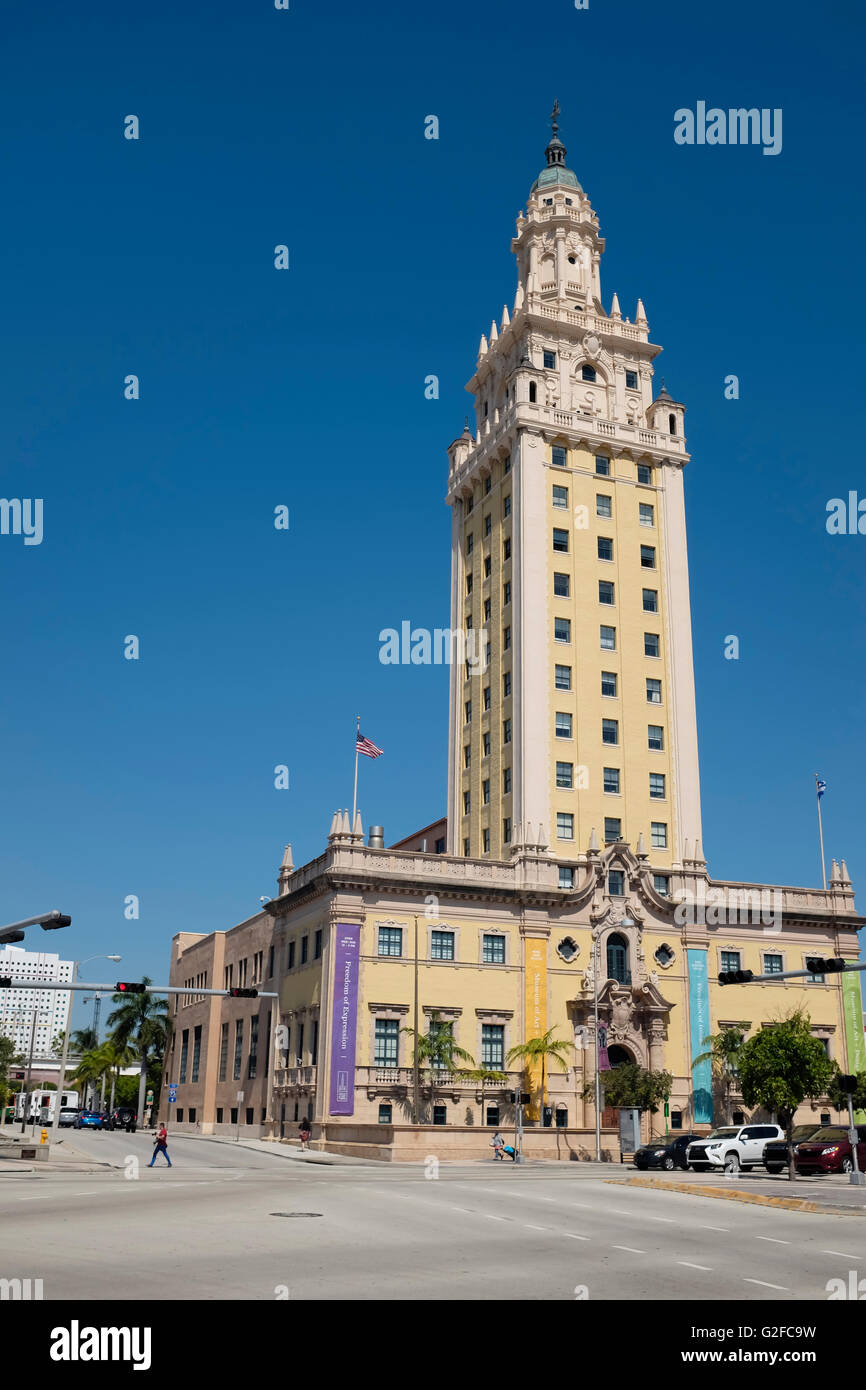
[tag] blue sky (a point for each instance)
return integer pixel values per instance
(306, 388)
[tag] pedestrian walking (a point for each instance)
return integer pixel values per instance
(305, 1135)
(160, 1146)
(497, 1144)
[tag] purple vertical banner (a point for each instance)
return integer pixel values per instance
(344, 1018)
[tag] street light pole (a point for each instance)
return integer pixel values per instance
(595, 968)
(75, 968)
(416, 1078)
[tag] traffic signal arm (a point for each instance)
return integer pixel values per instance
(834, 965)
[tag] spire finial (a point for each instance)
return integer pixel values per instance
(554, 116)
(556, 151)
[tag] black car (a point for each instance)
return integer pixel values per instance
(668, 1152)
(776, 1151)
(123, 1117)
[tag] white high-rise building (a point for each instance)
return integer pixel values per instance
(17, 1006)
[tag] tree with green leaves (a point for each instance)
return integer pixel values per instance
(141, 1023)
(543, 1050)
(82, 1040)
(839, 1098)
(8, 1058)
(90, 1070)
(632, 1087)
(723, 1051)
(780, 1067)
(437, 1052)
(485, 1076)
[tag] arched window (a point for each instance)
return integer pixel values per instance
(587, 372)
(618, 1056)
(532, 391)
(617, 960)
(672, 424)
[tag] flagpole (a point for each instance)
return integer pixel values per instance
(821, 833)
(355, 793)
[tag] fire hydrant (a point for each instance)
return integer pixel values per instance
(44, 1138)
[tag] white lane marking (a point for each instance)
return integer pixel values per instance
(491, 1217)
(572, 1236)
(618, 1211)
(688, 1264)
(669, 1219)
(726, 1229)
(764, 1285)
(464, 1210)
(43, 1197)
(546, 1199)
(774, 1240)
(629, 1248)
(534, 1228)
(842, 1253)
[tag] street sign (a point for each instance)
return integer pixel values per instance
(172, 1092)
(148, 1100)
(240, 1096)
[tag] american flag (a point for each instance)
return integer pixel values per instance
(363, 745)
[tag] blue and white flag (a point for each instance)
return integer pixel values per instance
(822, 787)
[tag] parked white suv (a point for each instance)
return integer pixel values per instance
(732, 1148)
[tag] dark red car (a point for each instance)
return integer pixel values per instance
(829, 1151)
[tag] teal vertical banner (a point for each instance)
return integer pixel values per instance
(699, 1011)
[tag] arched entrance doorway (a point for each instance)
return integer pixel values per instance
(617, 1056)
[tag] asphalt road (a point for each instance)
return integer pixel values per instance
(209, 1228)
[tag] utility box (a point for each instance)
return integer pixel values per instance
(35, 1153)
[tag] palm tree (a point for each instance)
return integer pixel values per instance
(485, 1076)
(722, 1051)
(541, 1050)
(81, 1041)
(141, 1023)
(438, 1051)
(91, 1068)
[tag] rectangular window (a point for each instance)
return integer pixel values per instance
(647, 514)
(387, 1037)
(485, 745)
(631, 381)
(390, 941)
(560, 540)
(603, 505)
(506, 731)
(651, 644)
(605, 591)
(661, 884)
(506, 685)
(487, 697)
(657, 786)
(604, 545)
(610, 731)
(485, 791)
(506, 831)
(564, 825)
(602, 466)
(561, 585)
(506, 639)
(659, 834)
(611, 780)
(485, 842)
(270, 962)
(300, 1057)
(290, 963)
(239, 1049)
(488, 524)
(562, 629)
(470, 544)
(506, 781)
(506, 507)
(488, 484)
(487, 566)
(467, 755)
(563, 725)
(560, 456)
(493, 1046)
(469, 583)
(466, 848)
(440, 1114)
(562, 678)
(184, 1053)
(644, 473)
(566, 877)
(565, 774)
(224, 1052)
(467, 712)
(305, 949)
(608, 638)
(506, 550)
(442, 945)
(648, 557)
(560, 498)
(506, 467)
(772, 964)
(549, 359)
(219, 1115)
(612, 829)
(650, 600)
(493, 949)
(608, 683)
(196, 1052)
(506, 595)
(616, 883)
(654, 692)
(317, 945)
(253, 1058)
(730, 960)
(655, 737)
(467, 803)
(384, 1112)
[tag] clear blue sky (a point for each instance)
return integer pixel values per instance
(305, 388)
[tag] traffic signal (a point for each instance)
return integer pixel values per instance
(242, 993)
(848, 1084)
(736, 977)
(130, 987)
(518, 1097)
(55, 922)
(817, 966)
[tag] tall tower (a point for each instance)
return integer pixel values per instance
(569, 554)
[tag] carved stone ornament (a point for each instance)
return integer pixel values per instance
(591, 345)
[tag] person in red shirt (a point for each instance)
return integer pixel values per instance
(160, 1146)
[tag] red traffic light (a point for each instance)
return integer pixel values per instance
(242, 993)
(130, 987)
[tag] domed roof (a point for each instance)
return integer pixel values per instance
(556, 171)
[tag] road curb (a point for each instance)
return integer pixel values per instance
(757, 1199)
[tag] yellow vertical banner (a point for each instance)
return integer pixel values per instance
(535, 1011)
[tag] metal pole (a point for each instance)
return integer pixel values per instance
(355, 793)
(856, 1178)
(416, 1079)
(29, 1069)
(97, 1005)
(56, 1125)
(595, 968)
(821, 834)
